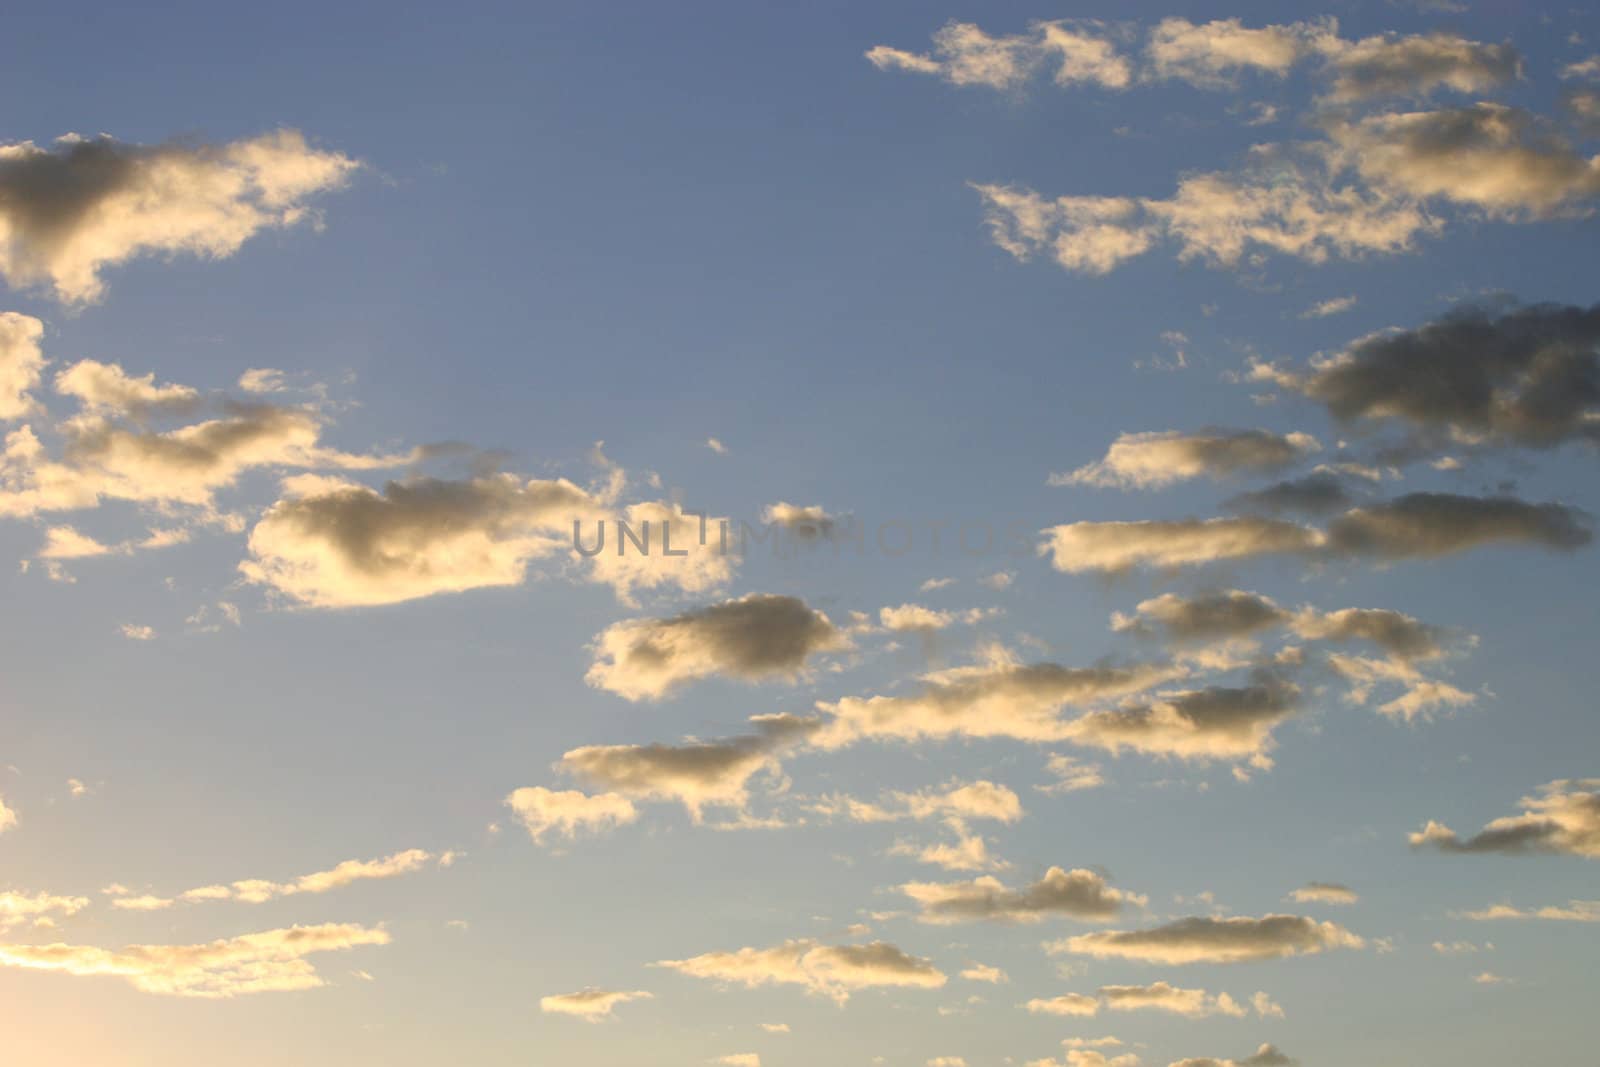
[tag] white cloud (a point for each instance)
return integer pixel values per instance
(1157, 459)
(590, 1005)
(569, 812)
(260, 890)
(270, 961)
(21, 360)
(833, 971)
(18, 908)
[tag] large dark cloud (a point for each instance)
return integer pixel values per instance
(1440, 524)
(1529, 376)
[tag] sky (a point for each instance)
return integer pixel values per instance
(894, 534)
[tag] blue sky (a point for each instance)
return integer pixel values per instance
(502, 236)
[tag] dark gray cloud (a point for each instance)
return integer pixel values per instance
(1529, 376)
(1424, 525)
(1318, 493)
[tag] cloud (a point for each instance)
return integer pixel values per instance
(752, 638)
(1153, 460)
(64, 542)
(1210, 54)
(336, 544)
(1284, 200)
(1391, 65)
(1077, 894)
(1161, 996)
(808, 523)
(1265, 1056)
(1217, 722)
(21, 360)
(1070, 775)
(982, 972)
(695, 773)
(1224, 615)
(1078, 1004)
(1324, 893)
(833, 971)
(107, 389)
(1573, 911)
(1429, 525)
(107, 453)
(18, 908)
(969, 852)
(143, 903)
(1502, 160)
(569, 812)
(1528, 376)
(739, 1059)
(1158, 996)
(997, 698)
(1414, 526)
(1120, 546)
(8, 817)
(590, 1005)
(1563, 819)
(70, 210)
(1199, 939)
(265, 962)
(259, 890)
(1336, 305)
(965, 55)
(1321, 492)
(981, 799)
(1398, 634)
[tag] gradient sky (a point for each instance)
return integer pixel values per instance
(319, 327)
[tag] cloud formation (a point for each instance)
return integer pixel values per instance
(267, 962)
(833, 971)
(1527, 376)
(996, 698)
(1076, 52)
(21, 360)
(261, 890)
(569, 812)
(38, 909)
(755, 637)
(1199, 939)
(591, 1005)
(1562, 819)
(1413, 526)
(70, 210)
(696, 773)
(1076, 894)
(1217, 722)
(1153, 460)
(1324, 893)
